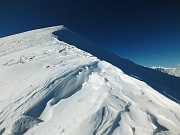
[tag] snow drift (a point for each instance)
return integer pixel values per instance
(53, 81)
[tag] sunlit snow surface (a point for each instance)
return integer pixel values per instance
(49, 87)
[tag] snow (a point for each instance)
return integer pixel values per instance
(163, 83)
(51, 86)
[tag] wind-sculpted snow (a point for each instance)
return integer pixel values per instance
(63, 87)
(51, 87)
(164, 83)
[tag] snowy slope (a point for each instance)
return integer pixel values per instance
(171, 71)
(164, 83)
(50, 86)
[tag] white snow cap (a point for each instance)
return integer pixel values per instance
(171, 71)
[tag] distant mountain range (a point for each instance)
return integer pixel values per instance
(171, 71)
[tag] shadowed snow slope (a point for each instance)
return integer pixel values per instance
(55, 82)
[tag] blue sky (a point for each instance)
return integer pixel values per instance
(144, 31)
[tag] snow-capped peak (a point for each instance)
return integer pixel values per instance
(171, 71)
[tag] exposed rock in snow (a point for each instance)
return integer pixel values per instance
(51, 84)
(171, 71)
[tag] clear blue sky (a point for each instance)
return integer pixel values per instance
(144, 31)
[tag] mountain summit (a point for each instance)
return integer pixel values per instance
(54, 81)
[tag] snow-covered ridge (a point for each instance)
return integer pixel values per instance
(49, 85)
(163, 83)
(171, 71)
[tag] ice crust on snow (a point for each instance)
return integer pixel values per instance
(51, 83)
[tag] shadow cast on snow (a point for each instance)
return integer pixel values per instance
(165, 84)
